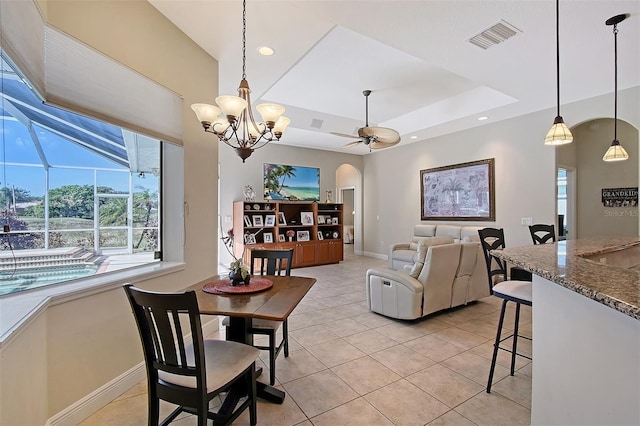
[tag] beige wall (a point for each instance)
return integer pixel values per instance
(591, 140)
(80, 345)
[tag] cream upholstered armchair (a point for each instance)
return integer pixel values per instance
(445, 274)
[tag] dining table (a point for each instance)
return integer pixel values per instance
(275, 299)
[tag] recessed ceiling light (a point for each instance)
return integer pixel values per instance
(265, 51)
(484, 117)
(413, 137)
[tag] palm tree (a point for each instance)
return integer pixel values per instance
(285, 172)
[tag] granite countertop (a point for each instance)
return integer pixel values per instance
(564, 263)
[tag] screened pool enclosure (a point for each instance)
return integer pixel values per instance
(77, 196)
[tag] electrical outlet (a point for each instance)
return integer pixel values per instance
(527, 221)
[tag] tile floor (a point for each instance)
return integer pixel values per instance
(349, 366)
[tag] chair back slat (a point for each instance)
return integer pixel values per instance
(272, 262)
(493, 239)
(542, 233)
(165, 320)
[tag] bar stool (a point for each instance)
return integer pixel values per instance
(518, 292)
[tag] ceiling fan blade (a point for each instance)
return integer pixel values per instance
(350, 144)
(383, 135)
(381, 145)
(344, 135)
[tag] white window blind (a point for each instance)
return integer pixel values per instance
(81, 79)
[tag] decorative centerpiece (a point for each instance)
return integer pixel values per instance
(249, 193)
(238, 271)
(290, 234)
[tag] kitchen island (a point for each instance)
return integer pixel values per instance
(586, 330)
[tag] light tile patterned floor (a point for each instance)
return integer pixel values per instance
(349, 366)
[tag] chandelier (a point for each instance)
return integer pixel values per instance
(232, 120)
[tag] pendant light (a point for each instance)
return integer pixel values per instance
(616, 152)
(559, 133)
(232, 120)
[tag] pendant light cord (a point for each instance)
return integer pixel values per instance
(615, 82)
(558, 57)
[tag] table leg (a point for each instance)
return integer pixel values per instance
(238, 331)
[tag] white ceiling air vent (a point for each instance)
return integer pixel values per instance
(493, 35)
(316, 123)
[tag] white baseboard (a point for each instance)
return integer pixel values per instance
(104, 395)
(99, 398)
(375, 255)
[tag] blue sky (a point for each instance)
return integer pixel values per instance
(17, 147)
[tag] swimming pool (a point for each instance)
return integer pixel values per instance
(28, 279)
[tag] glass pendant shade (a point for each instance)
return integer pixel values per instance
(257, 130)
(616, 152)
(281, 125)
(232, 106)
(270, 113)
(206, 113)
(559, 134)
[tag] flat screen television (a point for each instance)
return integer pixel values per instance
(293, 183)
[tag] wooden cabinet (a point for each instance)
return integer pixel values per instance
(313, 230)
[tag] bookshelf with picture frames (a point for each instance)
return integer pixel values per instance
(313, 230)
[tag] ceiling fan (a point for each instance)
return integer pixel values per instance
(373, 137)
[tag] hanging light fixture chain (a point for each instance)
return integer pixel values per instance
(244, 39)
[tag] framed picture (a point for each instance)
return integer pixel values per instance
(281, 219)
(306, 218)
(270, 220)
(268, 237)
(302, 236)
(249, 238)
(257, 220)
(283, 182)
(321, 220)
(320, 237)
(281, 238)
(247, 221)
(459, 192)
(334, 220)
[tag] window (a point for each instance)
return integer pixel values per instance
(77, 196)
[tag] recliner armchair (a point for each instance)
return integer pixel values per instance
(443, 276)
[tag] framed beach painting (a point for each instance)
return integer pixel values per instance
(458, 192)
(295, 183)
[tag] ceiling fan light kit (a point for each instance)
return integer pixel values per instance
(232, 121)
(616, 151)
(559, 134)
(373, 137)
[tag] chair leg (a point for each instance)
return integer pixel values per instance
(272, 357)
(515, 339)
(285, 336)
(154, 409)
(496, 345)
(253, 411)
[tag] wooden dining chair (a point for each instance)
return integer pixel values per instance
(185, 369)
(518, 292)
(270, 262)
(542, 233)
